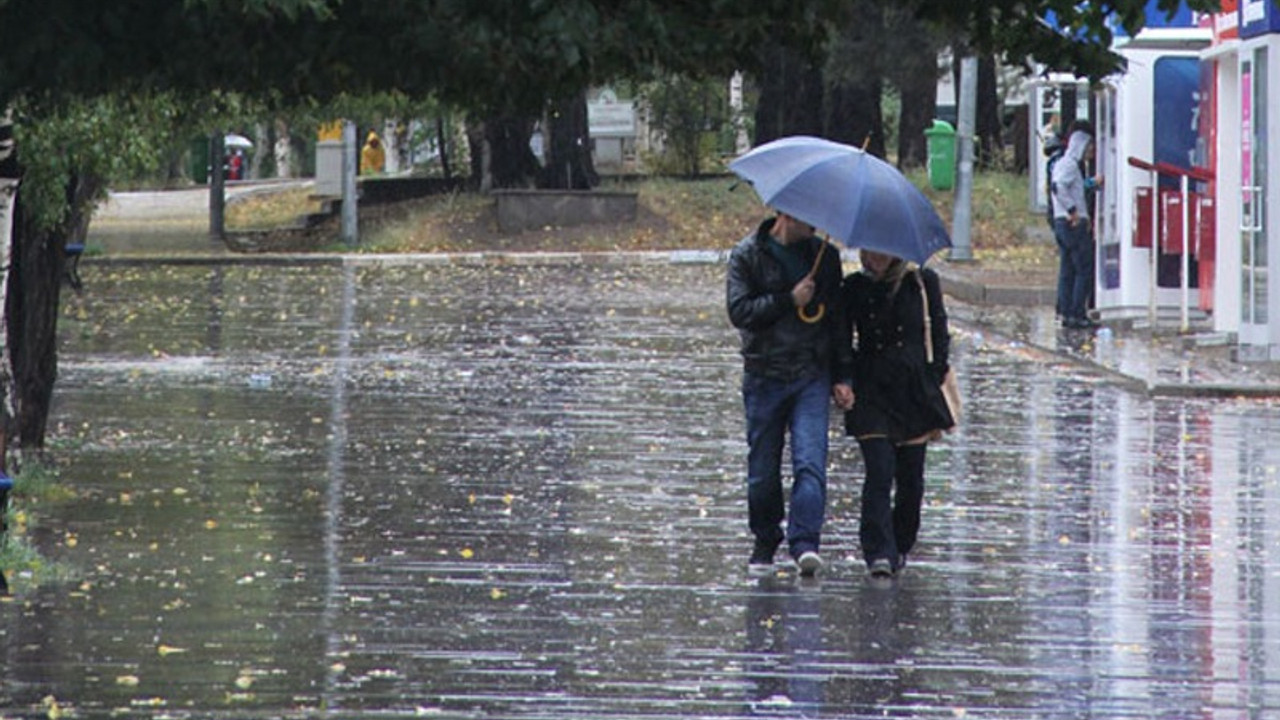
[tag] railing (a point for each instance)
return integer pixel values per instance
(1185, 176)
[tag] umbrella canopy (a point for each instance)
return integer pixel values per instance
(232, 140)
(857, 198)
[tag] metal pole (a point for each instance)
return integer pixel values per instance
(962, 217)
(350, 211)
(1155, 246)
(1186, 255)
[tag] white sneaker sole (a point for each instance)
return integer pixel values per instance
(810, 564)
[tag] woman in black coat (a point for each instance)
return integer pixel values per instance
(898, 404)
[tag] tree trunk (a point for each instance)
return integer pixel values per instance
(790, 96)
(1021, 131)
(480, 175)
(10, 179)
(500, 153)
(444, 150)
(851, 114)
(394, 148)
(569, 165)
(919, 107)
(914, 47)
(261, 146)
(283, 149)
(989, 125)
(34, 292)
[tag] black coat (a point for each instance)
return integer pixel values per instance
(775, 341)
(896, 390)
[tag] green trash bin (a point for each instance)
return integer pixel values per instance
(941, 142)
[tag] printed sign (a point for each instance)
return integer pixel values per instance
(1258, 17)
(611, 119)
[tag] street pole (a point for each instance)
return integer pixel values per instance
(350, 212)
(962, 217)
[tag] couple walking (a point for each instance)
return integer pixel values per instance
(877, 344)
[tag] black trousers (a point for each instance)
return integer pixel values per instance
(892, 496)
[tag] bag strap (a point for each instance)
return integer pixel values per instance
(928, 324)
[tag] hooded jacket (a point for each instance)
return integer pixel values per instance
(1068, 179)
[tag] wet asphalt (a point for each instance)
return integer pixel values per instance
(511, 487)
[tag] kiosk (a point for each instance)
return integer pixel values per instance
(1258, 225)
(1147, 144)
(1220, 136)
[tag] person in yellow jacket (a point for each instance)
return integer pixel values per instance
(372, 157)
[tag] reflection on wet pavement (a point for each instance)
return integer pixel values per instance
(515, 492)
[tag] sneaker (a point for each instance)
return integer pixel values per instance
(810, 563)
(762, 558)
(881, 568)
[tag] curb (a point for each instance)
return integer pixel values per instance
(980, 294)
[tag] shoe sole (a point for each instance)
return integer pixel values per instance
(880, 571)
(809, 565)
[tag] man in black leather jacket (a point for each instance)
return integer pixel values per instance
(783, 296)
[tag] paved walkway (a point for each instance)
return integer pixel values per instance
(511, 488)
(171, 227)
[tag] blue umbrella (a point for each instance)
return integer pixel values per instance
(853, 196)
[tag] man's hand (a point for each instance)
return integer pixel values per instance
(802, 293)
(843, 395)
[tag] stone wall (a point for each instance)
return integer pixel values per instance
(520, 210)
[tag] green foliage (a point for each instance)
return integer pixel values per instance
(108, 137)
(21, 562)
(39, 482)
(1016, 29)
(689, 113)
(489, 58)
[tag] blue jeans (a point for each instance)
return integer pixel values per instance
(1075, 267)
(775, 407)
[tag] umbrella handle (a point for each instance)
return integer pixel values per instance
(802, 312)
(815, 317)
(813, 271)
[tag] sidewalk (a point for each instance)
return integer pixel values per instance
(171, 227)
(1159, 363)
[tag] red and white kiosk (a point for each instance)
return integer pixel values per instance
(1243, 64)
(1155, 214)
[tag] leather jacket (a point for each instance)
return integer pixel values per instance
(776, 342)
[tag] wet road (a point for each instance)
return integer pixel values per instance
(510, 491)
